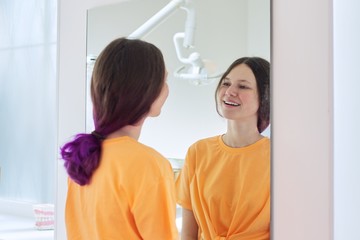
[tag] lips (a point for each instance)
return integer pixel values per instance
(229, 103)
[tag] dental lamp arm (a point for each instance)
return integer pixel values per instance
(166, 11)
(194, 58)
(196, 74)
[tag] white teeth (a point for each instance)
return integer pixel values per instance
(231, 103)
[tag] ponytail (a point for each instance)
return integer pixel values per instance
(82, 157)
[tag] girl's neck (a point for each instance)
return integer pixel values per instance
(132, 131)
(241, 135)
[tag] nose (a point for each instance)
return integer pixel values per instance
(231, 91)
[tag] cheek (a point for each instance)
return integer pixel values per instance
(164, 94)
(250, 99)
(219, 94)
(167, 92)
(218, 99)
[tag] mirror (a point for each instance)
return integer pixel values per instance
(224, 31)
(240, 28)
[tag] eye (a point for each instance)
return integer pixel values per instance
(243, 87)
(225, 84)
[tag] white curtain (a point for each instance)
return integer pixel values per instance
(28, 153)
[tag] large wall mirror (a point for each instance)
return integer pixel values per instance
(240, 28)
(225, 30)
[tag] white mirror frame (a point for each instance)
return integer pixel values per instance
(302, 119)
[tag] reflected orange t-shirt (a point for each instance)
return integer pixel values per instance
(131, 196)
(228, 189)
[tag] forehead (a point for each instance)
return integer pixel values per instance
(241, 72)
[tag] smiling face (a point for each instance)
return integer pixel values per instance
(237, 95)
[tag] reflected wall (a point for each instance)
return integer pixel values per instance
(240, 28)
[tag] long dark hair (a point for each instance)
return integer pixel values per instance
(261, 69)
(127, 78)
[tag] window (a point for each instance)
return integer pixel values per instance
(28, 153)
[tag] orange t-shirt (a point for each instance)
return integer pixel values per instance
(228, 189)
(131, 196)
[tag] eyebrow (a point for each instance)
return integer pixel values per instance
(237, 80)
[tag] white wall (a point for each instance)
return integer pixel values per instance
(241, 28)
(316, 115)
(346, 119)
(302, 118)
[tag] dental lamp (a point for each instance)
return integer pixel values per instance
(197, 71)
